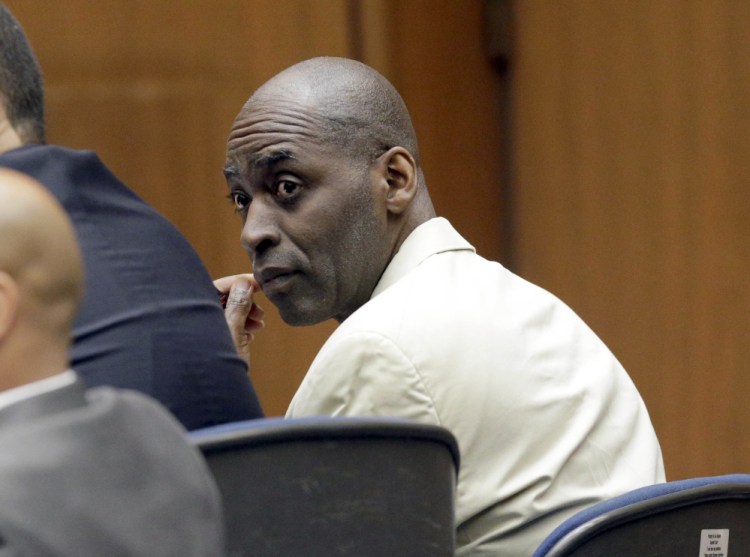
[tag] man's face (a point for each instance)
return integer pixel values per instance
(312, 224)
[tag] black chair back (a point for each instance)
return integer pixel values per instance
(702, 517)
(326, 487)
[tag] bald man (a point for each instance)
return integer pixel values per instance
(324, 169)
(81, 474)
(150, 318)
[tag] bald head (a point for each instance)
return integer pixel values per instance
(359, 110)
(323, 166)
(41, 276)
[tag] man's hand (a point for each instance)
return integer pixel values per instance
(243, 316)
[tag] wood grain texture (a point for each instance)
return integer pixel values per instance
(631, 173)
(434, 52)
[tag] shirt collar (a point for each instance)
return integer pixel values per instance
(432, 237)
(30, 390)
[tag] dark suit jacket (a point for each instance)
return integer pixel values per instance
(150, 319)
(102, 474)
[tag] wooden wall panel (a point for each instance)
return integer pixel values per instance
(153, 87)
(630, 180)
(434, 52)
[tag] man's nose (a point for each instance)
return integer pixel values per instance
(261, 229)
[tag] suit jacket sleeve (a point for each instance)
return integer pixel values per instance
(6, 551)
(363, 374)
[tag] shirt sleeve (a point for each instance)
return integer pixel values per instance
(364, 374)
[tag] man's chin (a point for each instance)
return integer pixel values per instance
(298, 315)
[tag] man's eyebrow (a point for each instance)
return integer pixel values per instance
(269, 159)
(263, 161)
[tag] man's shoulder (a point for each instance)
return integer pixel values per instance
(79, 179)
(111, 435)
(40, 160)
(120, 461)
(430, 288)
(457, 297)
(59, 414)
(414, 310)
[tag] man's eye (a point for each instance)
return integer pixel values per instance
(240, 200)
(287, 189)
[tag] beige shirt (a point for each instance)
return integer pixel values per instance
(546, 419)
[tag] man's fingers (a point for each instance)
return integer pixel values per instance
(239, 301)
(254, 321)
(256, 312)
(239, 296)
(224, 286)
(238, 305)
(243, 316)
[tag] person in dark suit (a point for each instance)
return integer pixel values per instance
(150, 318)
(82, 473)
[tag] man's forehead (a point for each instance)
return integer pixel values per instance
(266, 136)
(266, 121)
(237, 164)
(291, 102)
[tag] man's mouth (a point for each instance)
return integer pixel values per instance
(274, 280)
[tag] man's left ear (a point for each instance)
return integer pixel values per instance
(401, 177)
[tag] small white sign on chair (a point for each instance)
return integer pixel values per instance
(714, 543)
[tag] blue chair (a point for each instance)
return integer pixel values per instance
(324, 487)
(699, 517)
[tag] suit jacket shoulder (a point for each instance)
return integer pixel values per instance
(150, 318)
(103, 473)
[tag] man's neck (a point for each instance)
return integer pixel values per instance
(8, 137)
